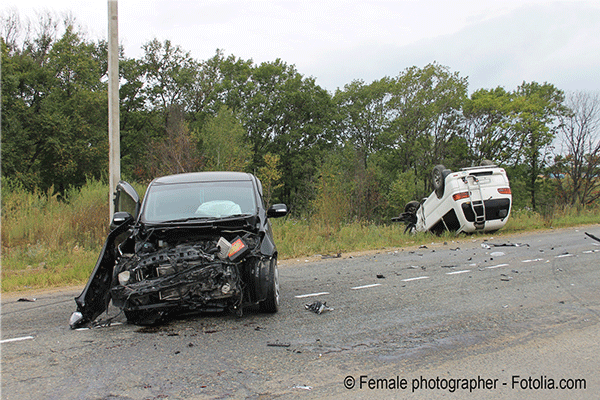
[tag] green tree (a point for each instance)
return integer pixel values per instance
(223, 143)
(54, 113)
(170, 73)
(426, 129)
(364, 115)
(536, 111)
(270, 177)
(288, 115)
(486, 114)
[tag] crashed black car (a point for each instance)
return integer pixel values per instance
(198, 242)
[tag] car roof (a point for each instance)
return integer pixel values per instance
(207, 176)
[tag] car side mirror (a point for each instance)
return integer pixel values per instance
(277, 210)
(119, 218)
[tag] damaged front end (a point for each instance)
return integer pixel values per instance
(203, 275)
(162, 276)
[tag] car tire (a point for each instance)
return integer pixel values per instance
(412, 207)
(271, 303)
(438, 178)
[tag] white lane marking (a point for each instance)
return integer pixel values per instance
(16, 339)
(301, 296)
(497, 266)
(533, 260)
(563, 255)
(414, 279)
(590, 251)
(458, 272)
(366, 286)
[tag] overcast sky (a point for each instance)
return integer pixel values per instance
(493, 43)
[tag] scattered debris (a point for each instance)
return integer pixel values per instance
(505, 277)
(422, 246)
(497, 254)
(318, 307)
(278, 344)
(380, 276)
(26, 299)
(449, 266)
(593, 237)
(303, 387)
(338, 255)
(507, 244)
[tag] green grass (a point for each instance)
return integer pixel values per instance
(51, 242)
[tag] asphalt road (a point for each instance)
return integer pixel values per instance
(479, 317)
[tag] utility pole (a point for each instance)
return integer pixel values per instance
(114, 141)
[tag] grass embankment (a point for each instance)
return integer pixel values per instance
(48, 242)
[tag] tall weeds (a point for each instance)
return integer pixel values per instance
(47, 240)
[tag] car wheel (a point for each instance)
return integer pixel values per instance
(412, 207)
(438, 178)
(271, 303)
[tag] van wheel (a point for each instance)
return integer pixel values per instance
(438, 178)
(411, 207)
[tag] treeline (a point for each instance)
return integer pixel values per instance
(357, 154)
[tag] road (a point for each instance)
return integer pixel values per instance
(477, 317)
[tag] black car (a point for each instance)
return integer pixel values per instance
(198, 242)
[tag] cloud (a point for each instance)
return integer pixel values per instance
(558, 43)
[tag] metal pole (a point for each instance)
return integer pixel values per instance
(114, 156)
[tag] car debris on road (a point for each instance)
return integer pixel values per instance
(592, 236)
(318, 307)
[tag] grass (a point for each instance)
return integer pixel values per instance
(51, 242)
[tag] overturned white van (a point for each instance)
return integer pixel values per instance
(473, 199)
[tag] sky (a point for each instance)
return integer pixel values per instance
(490, 42)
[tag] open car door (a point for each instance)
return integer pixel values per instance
(95, 297)
(126, 199)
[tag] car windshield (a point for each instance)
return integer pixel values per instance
(198, 200)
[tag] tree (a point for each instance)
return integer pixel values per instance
(54, 108)
(426, 103)
(486, 115)
(287, 115)
(177, 152)
(170, 73)
(364, 115)
(576, 170)
(223, 143)
(270, 177)
(536, 110)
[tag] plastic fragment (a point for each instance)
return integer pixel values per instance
(318, 307)
(304, 387)
(278, 344)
